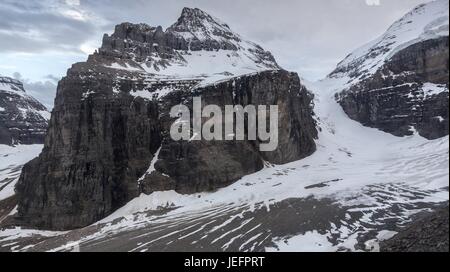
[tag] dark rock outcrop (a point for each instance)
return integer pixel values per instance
(6, 206)
(409, 92)
(206, 165)
(110, 124)
(427, 234)
(22, 118)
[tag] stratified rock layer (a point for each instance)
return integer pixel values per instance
(206, 165)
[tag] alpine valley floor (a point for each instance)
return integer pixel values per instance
(359, 188)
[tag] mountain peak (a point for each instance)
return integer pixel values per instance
(424, 22)
(197, 44)
(189, 15)
(11, 85)
(195, 24)
(190, 12)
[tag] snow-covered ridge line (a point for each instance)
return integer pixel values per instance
(11, 85)
(8, 80)
(198, 64)
(15, 88)
(425, 22)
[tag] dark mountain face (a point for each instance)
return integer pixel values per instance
(23, 120)
(409, 93)
(111, 122)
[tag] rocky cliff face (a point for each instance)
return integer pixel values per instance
(409, 93)
(399, 83)
(203, 166)
(23, 120)
(108, 139)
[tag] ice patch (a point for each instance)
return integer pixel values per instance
(430, 89)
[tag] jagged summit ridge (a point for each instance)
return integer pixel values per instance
(197, 45)
(195, 24)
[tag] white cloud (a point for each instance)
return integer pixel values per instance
(74, 14)
(73, 2)
(88, 48)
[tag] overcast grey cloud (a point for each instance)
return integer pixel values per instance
(307, 36)
(34, 26)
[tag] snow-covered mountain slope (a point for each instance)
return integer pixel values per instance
(12, 158)
(427, 21)
(197, 46)
(23, 120)
(400, 82)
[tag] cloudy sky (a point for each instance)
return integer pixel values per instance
(40, 39)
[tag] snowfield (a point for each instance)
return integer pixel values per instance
(12, 158)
